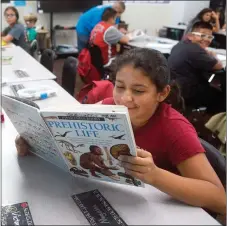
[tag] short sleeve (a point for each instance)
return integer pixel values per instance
(201, 60)
(5, 31)
(16, 31)
(183, 142)
(112, 35)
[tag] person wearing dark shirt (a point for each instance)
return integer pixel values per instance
(15, 32)
(191, 64)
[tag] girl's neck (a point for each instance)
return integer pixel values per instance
(11, 25)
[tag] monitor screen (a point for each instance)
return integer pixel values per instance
(66, 5)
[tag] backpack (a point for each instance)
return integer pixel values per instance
(87, 71)
(95, 92)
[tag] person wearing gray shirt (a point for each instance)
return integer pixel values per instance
(105, 35)
(15, 32)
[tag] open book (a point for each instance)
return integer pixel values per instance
(85, 140)
(136, 35)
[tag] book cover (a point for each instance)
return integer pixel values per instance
(30, 125)
(92, 142)
(16, 214)
(97, 209)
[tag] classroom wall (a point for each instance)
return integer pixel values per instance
(152, 16)
(192, 8)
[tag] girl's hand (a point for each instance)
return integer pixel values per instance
(214, 15)
(141, 167)
(22, 146)
(123, 31)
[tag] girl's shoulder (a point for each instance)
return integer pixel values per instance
(108, 101)
(170, 117)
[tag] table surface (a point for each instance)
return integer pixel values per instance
(165, 45)
(48, 190)
(23, 61)
(61, 94)
(181, 27)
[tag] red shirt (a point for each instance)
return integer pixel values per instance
(168, 136)
(97, 38)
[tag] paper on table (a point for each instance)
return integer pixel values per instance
(221, 57)
(159, 46)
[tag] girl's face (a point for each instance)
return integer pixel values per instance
(136, 91)
(10, 17)
(207, 17)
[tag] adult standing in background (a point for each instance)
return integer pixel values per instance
(206, 15)
(15, 32)
(90, 18)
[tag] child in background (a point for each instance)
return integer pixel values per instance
(30, 21)
(123, 27)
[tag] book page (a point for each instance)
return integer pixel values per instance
(30, 125)
(92, 142)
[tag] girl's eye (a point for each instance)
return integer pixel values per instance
(139, 91)
(120, 87)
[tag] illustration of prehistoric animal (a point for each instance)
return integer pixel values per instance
(69, 156)
(79, 172)
(119, 149)
(94, 161)
(73, 162)
(62, 135)
(118, 137)
(69, 146)
(129, 179)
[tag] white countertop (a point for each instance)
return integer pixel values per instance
(62, 97)
(48, 190)
(23, 61)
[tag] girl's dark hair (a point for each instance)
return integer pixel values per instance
(222, 16)
(14, 10)
(202, 12)
(155, 66)
(202, 25)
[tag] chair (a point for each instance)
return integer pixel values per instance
(47, 59)
(216, 160)
(97, 61)
(69, 74)
(34, 49)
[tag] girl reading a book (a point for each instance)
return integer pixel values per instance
(170, 156)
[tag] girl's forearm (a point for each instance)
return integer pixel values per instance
(191, 191)
(217, 25)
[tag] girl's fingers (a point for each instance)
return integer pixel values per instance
(135, 160)
(143, 158)
(135, 168)
(134, 174)
(142, 153)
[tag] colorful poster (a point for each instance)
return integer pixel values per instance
(19, 3)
